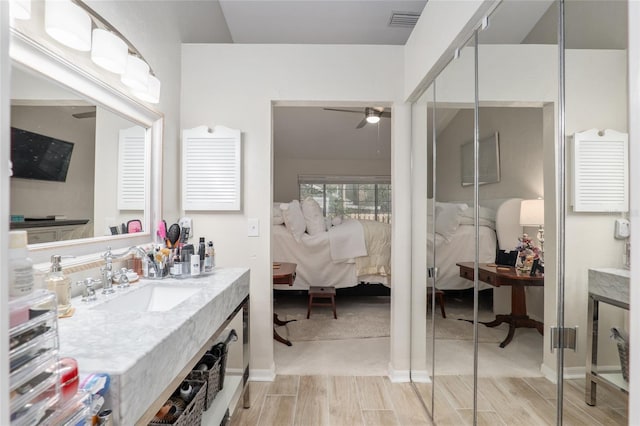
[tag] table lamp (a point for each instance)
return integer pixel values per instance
(532, 214)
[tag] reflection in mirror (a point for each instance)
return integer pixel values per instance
(519, 107)
(80, 171)
(597, 98)
(453, 240)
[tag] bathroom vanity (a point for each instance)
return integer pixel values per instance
(610, 286)
(149, 336)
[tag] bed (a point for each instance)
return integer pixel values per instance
(499, 228)
(319, 265)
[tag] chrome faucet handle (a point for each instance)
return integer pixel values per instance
(88, 292)
(107, 279)
(123, 279)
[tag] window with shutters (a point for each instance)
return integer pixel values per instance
(211, 175)
(600, 171)
(132, 163)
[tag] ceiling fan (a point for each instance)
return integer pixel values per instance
(88, 114)
(372, 115)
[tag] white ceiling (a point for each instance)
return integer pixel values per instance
(312, 132)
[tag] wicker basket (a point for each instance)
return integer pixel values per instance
(192, 414)
(622, 341)
(212, 379)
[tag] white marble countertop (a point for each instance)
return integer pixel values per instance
(144, 351)
(610, 283)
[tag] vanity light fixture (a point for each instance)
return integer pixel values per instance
(109, 51)
(20, 9)
(152, 93)
(136, 74)
(372, 116)
(68, 23)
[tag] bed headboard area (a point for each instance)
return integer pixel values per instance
(508, 228)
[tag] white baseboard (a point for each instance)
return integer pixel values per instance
(420, 376)
(569, 373)
(267, 375)
(399, 376)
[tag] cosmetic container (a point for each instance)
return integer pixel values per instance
(20, 265)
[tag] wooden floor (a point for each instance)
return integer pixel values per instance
(342, 400)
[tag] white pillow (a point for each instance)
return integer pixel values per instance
(327, 223)
(447, 219)
(313, 216)
(276, 215)
(294, 219)
(336, 221)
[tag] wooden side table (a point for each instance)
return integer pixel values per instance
(322, 293)
(283, 274)
(499, 276)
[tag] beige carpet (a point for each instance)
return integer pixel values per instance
(368, 317)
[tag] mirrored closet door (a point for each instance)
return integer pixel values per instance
(527, 104)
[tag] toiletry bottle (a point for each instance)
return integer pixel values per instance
(195, 265)
(176, 265)
(20, 265)
(202, 249)
(209, 257)
(60, 284)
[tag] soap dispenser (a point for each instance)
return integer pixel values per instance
(57, 282)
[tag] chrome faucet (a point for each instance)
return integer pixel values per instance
(107, 273)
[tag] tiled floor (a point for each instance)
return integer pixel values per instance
(371, 400)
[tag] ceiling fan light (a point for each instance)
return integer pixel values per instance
(152, 93)
(136, 74)
(109, 51)
(68, 24)
(20, 9)
(372, 116)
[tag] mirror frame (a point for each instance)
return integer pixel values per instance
(29, 54)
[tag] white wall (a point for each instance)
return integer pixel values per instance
(286, 171)
(520, 134)
(235, 85)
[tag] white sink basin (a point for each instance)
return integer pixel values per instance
(152, 298)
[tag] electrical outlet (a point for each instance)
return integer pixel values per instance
(622, 229)
(253, 228)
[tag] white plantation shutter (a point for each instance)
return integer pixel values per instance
(600, 171)
(211, 169)
(131, 168)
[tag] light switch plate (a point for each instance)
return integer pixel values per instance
(622, 229)
(253, 227)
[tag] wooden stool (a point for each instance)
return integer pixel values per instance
(439, 299)
(322, 293)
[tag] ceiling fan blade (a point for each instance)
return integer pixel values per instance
(343, 110)
(385, 114)
(88, 114)
(361, 124)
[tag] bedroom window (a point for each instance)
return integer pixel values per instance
(359, 197)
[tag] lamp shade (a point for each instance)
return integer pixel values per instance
(20, 9)
(532, 212)
(136, 74)
(68, 24)
(152, 93)
(109, 51)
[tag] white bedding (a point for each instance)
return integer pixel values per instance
(315, 265)
(346, 241)
(461, 248)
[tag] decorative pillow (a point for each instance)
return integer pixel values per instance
(294, 219)
(336, 221)
(276, 214)
(447, 219)
(313, 216)
(327, 223)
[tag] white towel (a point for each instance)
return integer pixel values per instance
(347, 240)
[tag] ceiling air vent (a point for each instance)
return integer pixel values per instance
(404, 19)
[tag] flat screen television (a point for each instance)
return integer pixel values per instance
(41, 157)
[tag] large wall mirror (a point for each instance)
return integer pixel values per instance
(86, 157)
